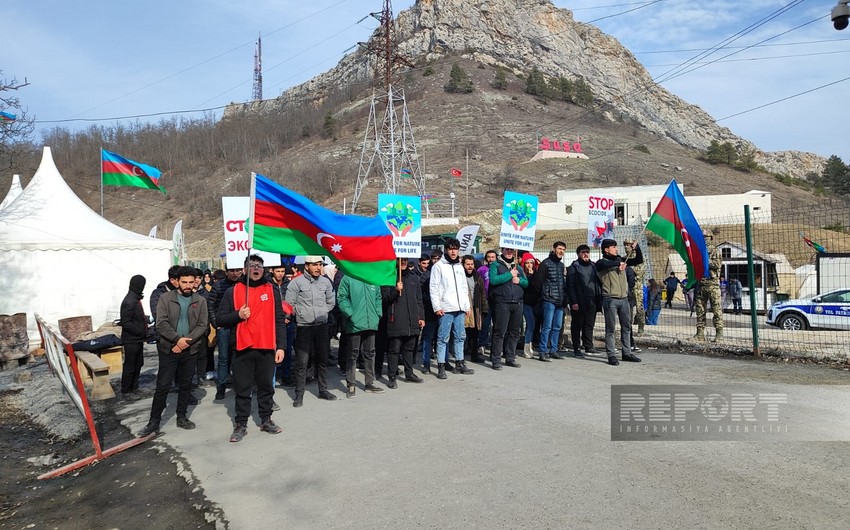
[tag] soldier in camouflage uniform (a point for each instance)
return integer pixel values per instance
(710, 291)
(637, 293)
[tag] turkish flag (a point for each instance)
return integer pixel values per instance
(456, 172)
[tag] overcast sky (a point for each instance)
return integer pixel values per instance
(105, 59)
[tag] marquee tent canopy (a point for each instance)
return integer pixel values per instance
(14, 190)
(59, 258)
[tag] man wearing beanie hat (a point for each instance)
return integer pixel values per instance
(611, 269)
(134, 331)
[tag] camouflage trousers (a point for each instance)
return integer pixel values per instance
(639, 312)
(710, 293)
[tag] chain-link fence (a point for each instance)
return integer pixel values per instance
(799, 285)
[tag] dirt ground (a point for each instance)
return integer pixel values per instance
(137, 488)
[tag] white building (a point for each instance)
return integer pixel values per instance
(630, 202)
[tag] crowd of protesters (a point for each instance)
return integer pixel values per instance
(274, 326)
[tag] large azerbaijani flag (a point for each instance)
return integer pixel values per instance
(675, 223)
(288, 223)
(6, 116)
(119, 171)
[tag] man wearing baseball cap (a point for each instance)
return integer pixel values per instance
(611, 269)
(312, 298)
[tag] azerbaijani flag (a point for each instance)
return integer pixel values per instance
(119, 171)
(675, 223)
(5, 116)
(817, 247)
(406, 173)
(285, 222)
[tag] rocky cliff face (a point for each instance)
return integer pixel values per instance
(522, 34)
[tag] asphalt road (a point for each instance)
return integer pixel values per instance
(523, 448)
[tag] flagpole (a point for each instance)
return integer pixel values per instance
(101, 181)
(467, 182)
(252, 197)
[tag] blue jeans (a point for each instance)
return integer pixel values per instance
(429, 333)
(222, 338)
(450, 323)
(652, 317)
(550, 327)
(528, 314)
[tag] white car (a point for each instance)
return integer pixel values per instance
(827, 311)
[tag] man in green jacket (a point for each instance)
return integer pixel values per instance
(361, 305)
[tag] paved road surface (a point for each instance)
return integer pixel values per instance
(521, 448)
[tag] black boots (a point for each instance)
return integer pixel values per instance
(461, 368)
(441, 371)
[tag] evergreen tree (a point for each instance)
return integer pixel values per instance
(459, 81)
(500, 79)
(536, 83)
(836, 176)
(746, 159)
(329, 126)
(582, 94)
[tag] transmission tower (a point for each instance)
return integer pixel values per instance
(389, 148)
(257, 92)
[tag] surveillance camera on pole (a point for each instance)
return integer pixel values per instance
(841, 15)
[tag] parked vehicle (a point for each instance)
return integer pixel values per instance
(827, 311)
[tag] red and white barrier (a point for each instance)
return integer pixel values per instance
(56, 346)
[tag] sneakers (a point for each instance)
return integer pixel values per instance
(412, 378)
(635, 349)
(631, 358)
(219, 394)
(392, 384)
(613, 361)
(350, 391)
(298, 401)
(373, 389)
(512, 364)
(151, 428)
(269, 426)
(239, 432)
(577, 354)
(185, 423)
(275, 406)
(210, 376)
(591, 350)
(543, 357)
(555, 355)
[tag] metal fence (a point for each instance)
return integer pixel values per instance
(800, 253)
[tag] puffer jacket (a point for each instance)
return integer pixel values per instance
(448, 286)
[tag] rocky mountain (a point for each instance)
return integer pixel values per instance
(521, 34)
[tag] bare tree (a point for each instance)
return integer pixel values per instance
(13, 133)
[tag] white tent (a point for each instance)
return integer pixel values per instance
(14, 190)
(60, 259)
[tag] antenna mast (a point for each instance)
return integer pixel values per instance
(257, 92)
(388, 145)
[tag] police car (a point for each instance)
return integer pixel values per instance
(827, 311)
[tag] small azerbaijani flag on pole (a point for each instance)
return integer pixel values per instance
(5, 116)
(119, 171)
(817, 247)
(406, 173)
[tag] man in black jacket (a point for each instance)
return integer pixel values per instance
(222, 333)
(405, 318)
(258, 341)
(134, 331)
(585, 299)
(550, 281)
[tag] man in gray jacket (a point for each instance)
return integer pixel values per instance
(312, 298)
(611, 269)
(181, 321)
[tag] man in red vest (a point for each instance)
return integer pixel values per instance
(259, 342)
